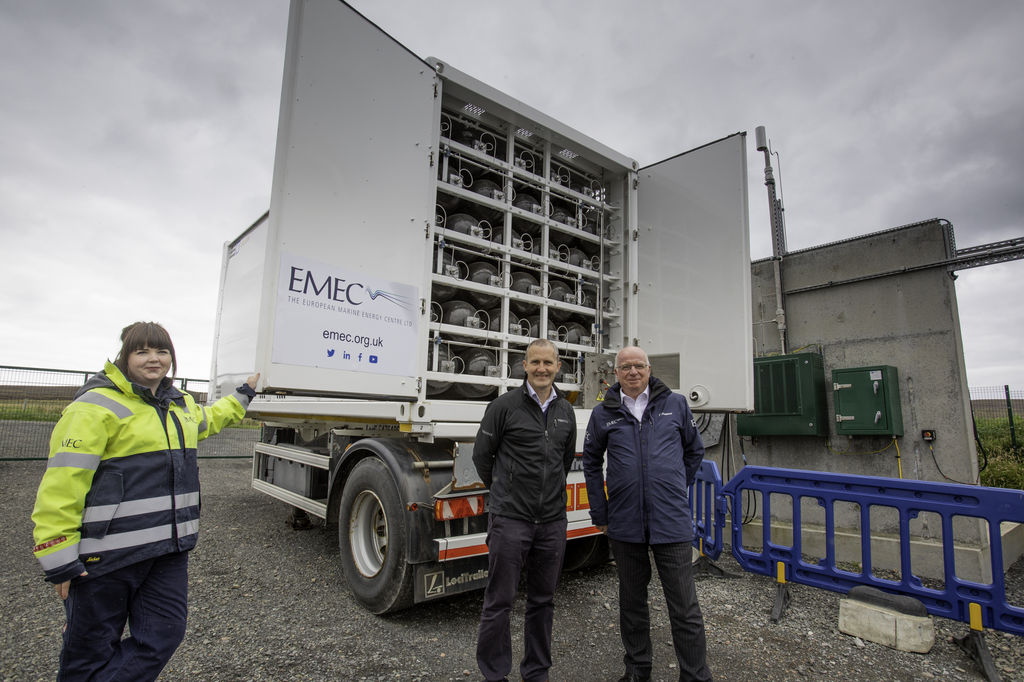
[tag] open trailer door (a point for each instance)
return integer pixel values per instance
(694, 307)
(341, 310)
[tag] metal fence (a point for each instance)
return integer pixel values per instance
(998, 414)
(32, 398)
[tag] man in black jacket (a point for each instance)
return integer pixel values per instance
(523, 451)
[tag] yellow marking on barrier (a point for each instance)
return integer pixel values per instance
(975, 611)
(780, 572)
(700, 546)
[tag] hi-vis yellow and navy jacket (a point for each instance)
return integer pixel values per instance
(122, 482)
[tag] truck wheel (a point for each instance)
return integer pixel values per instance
(372, 537)
(585, 553)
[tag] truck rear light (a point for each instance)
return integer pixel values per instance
(459, 508)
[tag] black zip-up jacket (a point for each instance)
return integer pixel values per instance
(523, 454)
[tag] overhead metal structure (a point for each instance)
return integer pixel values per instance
(988, 254)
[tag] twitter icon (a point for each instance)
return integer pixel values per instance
(330, 352)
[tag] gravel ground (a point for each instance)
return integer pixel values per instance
(270, 603)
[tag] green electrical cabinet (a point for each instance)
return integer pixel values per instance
(867, 401)
(789, 397)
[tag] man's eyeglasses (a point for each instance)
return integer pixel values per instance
(637, 366)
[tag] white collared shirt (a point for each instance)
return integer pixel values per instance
(637, 407)
(543, 405)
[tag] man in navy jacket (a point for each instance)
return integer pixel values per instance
(654, 451)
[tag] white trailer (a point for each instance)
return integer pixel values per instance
(423, 229)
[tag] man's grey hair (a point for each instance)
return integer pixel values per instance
(647, 360)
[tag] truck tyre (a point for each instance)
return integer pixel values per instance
(585, 553)
(372, 537)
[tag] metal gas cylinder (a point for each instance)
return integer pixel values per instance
(477, 362)
(483, 272)
(444, 363)
(463, 223)
(460, 314)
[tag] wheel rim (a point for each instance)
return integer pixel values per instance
(368, 533)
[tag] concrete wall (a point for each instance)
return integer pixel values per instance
(862, 302)
(881, 299)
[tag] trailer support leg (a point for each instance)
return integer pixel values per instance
(973, 643)
(299, 519)
(782, 595)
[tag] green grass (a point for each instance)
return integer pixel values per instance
(31, 410)
(995, 433)
(1003, 471)
(1005, 468)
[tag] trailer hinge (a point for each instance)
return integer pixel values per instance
(426, 229)
(435, 88)
(845, 418)
(636, 235)
(836, 387)
(636, 183)
(636, 288)
(423, 306)
(431, 158)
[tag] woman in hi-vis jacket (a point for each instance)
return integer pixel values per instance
(118, 509)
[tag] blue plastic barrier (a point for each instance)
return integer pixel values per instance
(707, 507)
(960, 599)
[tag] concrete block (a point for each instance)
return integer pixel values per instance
(897, 622)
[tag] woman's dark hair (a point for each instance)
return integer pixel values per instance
(141, 335)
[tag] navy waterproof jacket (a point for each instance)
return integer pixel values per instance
(651, 464)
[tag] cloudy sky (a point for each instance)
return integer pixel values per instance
(138, 137)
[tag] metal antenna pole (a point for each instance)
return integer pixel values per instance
(778, 234)
(775, 209)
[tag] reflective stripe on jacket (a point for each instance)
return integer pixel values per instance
(122, 483)
(650, 466)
